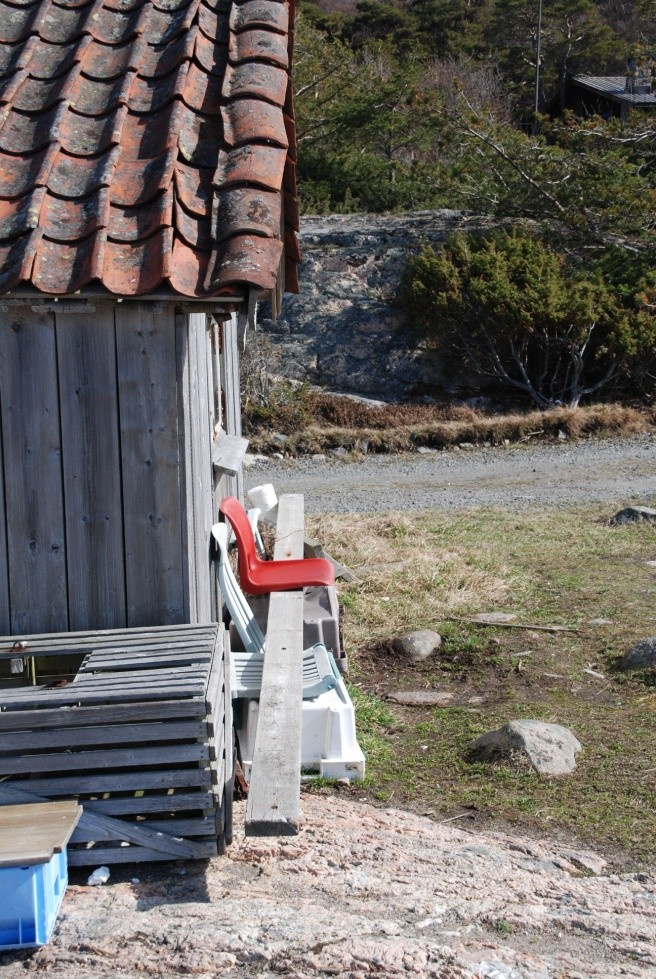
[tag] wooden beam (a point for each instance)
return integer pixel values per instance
(275, 788)
(228, 453)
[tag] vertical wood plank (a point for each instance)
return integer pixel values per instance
(273, 807)
(92, 471)
(190, 596)
(231, 383)
(33, 476)
(148, 417)
(5, 618)
(201, 459)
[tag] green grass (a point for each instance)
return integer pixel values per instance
(547, 567)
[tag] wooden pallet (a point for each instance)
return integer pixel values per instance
(142, 738)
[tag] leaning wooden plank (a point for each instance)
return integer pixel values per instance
(289, 529)
(86, 354)
(228, 453)
(66, 761)
(113, 829)
(273, 807)
(145, 344)
(31, 438)
(68, 717)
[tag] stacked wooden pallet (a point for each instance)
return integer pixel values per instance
(142, 737)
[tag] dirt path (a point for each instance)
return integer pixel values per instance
(617, 471)
(361, 892)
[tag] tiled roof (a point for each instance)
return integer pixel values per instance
(146, 145)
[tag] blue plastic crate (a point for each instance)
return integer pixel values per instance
(30, 898)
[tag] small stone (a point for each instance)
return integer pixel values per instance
(421, 698)
(251, 459)
(561, 436)
(633, 514)
(419, 645)
(642, 656)
(318, 457)
(339, 452)
(550, 749)
(278, 455)
(423, 450)
(279, 439)
(466, 445)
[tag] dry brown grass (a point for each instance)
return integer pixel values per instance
(426, 578)
(404, 428)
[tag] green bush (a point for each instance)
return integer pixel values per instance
(517, 312)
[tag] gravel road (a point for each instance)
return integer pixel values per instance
(595, 470)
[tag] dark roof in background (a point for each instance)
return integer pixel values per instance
(614, 87)
(146, 145)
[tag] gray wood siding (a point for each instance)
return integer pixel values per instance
(86, 357)
(105, 468)
(33, 473)
(5, 617)
(150, 461)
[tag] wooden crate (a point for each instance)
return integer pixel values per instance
(142, 737)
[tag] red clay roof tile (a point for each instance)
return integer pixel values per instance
(146, 143)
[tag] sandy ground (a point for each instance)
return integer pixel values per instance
(360, 892)
(594, 470)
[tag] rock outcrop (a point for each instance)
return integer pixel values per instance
(346, 330)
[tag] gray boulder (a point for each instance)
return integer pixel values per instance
(550, 749)
(642, 656)
(633, 514)
(418, 646)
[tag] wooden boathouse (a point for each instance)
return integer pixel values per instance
(147, 201)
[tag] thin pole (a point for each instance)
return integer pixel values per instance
(537, 66)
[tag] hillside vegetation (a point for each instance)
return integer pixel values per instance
(417, 104)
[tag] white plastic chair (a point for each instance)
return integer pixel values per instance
(319, 668)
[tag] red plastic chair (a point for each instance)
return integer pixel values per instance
(258, 577)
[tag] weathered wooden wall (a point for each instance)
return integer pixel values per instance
(106, 484)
